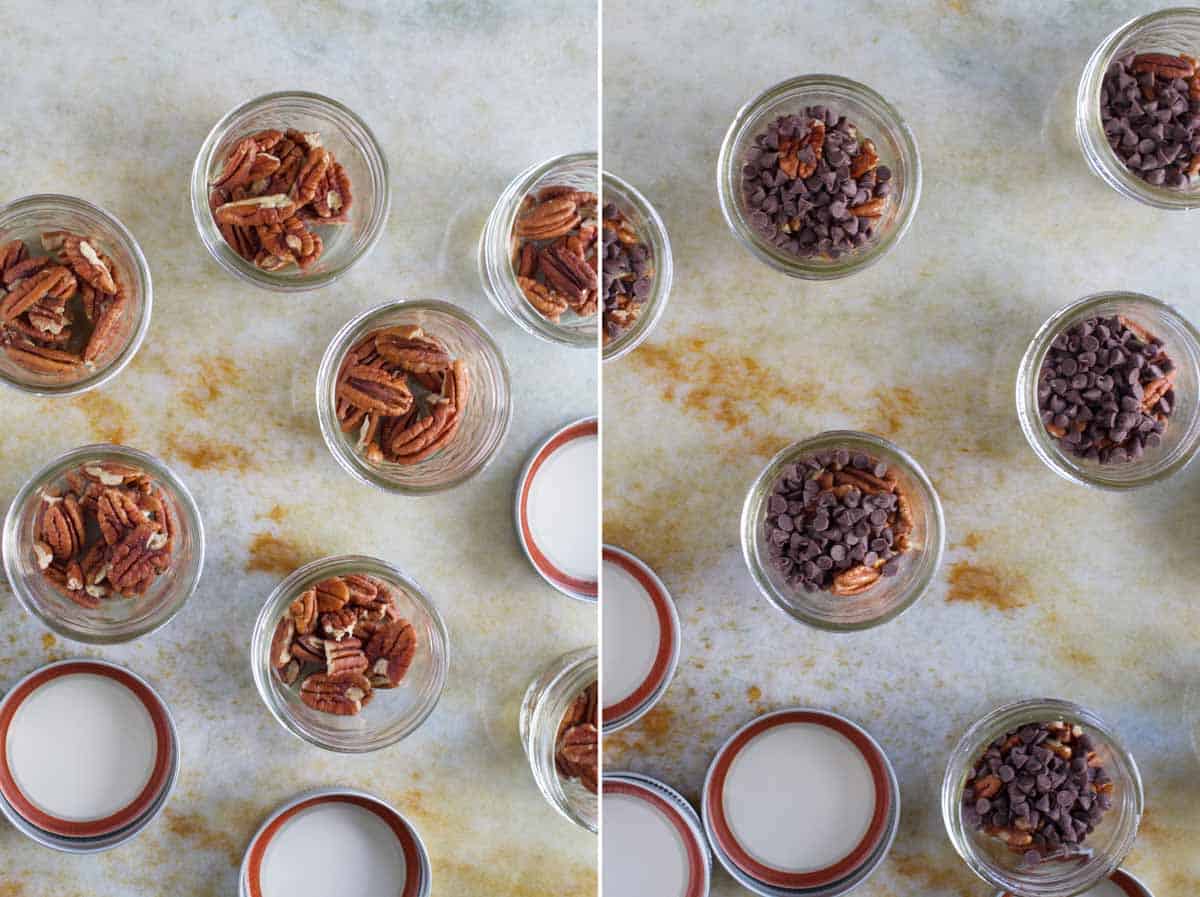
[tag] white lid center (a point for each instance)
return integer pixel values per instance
(563, 507)
(644, 855)
(631, 634)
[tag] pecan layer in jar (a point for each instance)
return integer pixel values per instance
(62, 304)
(274, 190)
(577, 747)
(404, 394)
(628, 268)
(107, 531)
(837, 521)
(339, 656)
(554, 252)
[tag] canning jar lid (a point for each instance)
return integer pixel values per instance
(654, 846)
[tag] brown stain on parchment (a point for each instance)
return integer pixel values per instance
(107, 419)
(271, 554)
(213, 377)
(195, 829)
(48, 641)
(277, 513)
(208, 454)
(894, 405)
(987, 585)
(931, 875)
(753, 694)
(12, 889)
(515, 875)
(970, 541)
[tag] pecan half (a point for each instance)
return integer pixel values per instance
(374, 389)
(63, 528)
(87, 263)
(255, 210)
(855, 581)
(312, 174)
(117, 514)
(304, 612)
(338, 624)
(1163, 65)
(104, 335)
(866, 160)
(423, 438)
(390, 653)
(281, 642)
(134, 563)
(342, 695)
(309, 648)
(363, 589)
(548, 303)
(872, 208)
(549, 220)
(412, 349)
(345, 657)
(332, 594)
(238, 164)
(43, 360)
(24, 294)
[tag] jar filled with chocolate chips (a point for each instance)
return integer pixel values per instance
(819, 176)
(842, 531)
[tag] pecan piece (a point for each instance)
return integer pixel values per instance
(11, 253)
(567, 274)
(238, 165)
(390, 653)
(117, 514)
(1164, 65)
(54, 280)
(311, 175)
(104, 334)
(43, 360)
(374, 389)
(547, 302)
(333, 196)
(281, 642)
(63, 528)
(872, 208)
(309, 649)
(363, 589)
(270, 209)
(87, 263)
(549, 220)
(304, 612)
(338, 624)
(866, 160)
(134, 563)
(854, 581)
(425, 437)
(343, 696)
(26, 267)
(345, 657)
(412, 349)
(332, 594)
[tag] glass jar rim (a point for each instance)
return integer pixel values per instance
(1089, 129)
(729, 167)
(498, 227)
(1026, 391)
(758, 493)
(37, 201)
(288, 590)
(331, 362)
(994, 724)
(161, 473)
(211, 237)
(664, 266)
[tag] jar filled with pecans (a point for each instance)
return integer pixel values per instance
(558, 727)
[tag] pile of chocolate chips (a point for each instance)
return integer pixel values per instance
(1106, 390)
(1041, 790)
(812, 186)
(628, 273)
(837, 521)
(1150, 109)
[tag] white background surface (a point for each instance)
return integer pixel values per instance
(110, 102)
(1047, 588)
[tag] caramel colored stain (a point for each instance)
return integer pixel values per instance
(986, 585)
(515, 876)
(727, 388)
(1079, 658)
(48, 641)
(271, 554)
(12, 889)
(107, 419)
(207, 454)
(970, 541)
(753, 694)
(277, 513)
(194, 828)
(213, 378)
(895, 406)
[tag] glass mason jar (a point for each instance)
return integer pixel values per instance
(392, 714)
(27, 219)
(115, 619)
(1182, 435)
(650, 229)
(1168, 31)
(353, 144)
(546, 702)
(876, 119)
(496, 270)
(485, 421)
(1102, 852)
(889, 596)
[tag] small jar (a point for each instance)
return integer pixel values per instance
(1168, 31)
(115, 620)
(392, 714)
(1181, 438)
(889, 596)
(645, 221)
(485, 420)
(1102, 852)
(496, 270)
(353, 144)
(27, 219)
(876, 119)
(546, 702)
